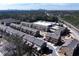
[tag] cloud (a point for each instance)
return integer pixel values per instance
(48, 6)
(5, 2)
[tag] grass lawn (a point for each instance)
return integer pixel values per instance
(74, 20)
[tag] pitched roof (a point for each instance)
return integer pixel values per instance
(9, 20)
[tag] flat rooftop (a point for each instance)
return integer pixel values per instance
(44, 23)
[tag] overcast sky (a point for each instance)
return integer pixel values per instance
(22, 5)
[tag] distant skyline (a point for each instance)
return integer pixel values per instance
(36, 6)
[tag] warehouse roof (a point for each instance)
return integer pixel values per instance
(44, 23)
